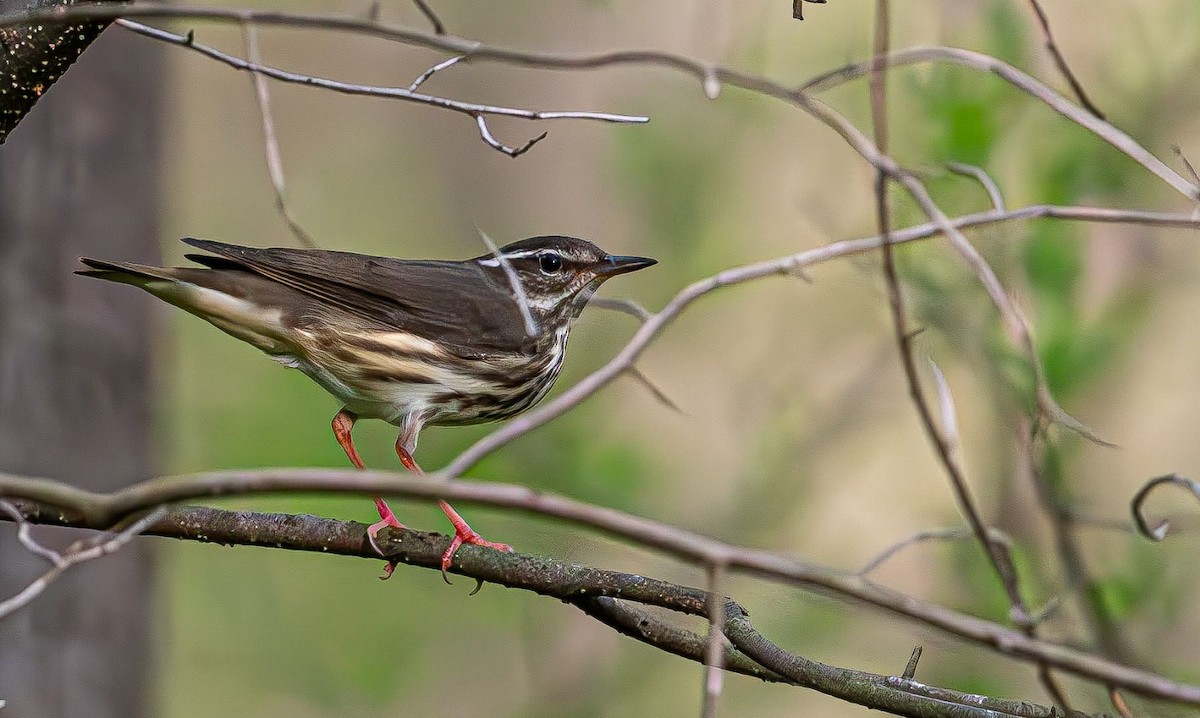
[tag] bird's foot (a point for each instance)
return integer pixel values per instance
(387, 519)
(465, 534)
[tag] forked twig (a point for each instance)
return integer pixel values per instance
(490, 139)
(475, 110)
(82, 551)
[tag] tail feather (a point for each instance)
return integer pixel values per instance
(138, 275)
(239, 303)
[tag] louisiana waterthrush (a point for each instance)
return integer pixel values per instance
(412, 342)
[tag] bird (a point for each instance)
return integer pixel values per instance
(413, 342)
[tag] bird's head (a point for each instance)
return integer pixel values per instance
(557, 274)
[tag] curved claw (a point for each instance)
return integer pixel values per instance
(387, 520)
(468, 536)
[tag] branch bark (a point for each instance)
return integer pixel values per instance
(76, 507)
(608, 596)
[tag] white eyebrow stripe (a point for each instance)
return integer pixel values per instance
(523, 254)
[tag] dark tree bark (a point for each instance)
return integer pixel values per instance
(34, 57)
(79, 175)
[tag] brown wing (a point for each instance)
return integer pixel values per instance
(454, 303)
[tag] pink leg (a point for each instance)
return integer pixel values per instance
(343, 424)
(463, 533)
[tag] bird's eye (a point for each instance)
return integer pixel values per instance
(550, 262)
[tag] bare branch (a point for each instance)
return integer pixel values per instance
(1158, 531)
(606, 595)
(943, 437)
(103, 545)
(1033, 87)
(477, 111)
(77, 507)
(786, 266)
(725, 76)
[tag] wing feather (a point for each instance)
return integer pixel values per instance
(455, 303)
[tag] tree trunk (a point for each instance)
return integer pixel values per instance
(79, 175)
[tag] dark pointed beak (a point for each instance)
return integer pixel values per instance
(623, 265)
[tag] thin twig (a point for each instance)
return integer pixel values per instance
(514, 281)
(475, 110)
(904, 338)
(1158, 531)
(956, 533)
(1061, 61)
(490, 139)
(651, 387)
(438, 26)
(262, 96)
(25, 535)
(714, 654)
(910, 668)
(434, 70)
(85, 551)
(625, 306)
(633, 309)
(1186, 163)
(981, 175)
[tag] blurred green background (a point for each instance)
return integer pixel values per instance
(796, 434)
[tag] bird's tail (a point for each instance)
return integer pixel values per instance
(139, 275)
(236, 302)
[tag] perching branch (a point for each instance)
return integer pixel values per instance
(608, 596)
(78, 507)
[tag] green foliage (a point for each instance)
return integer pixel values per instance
(970, 114)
